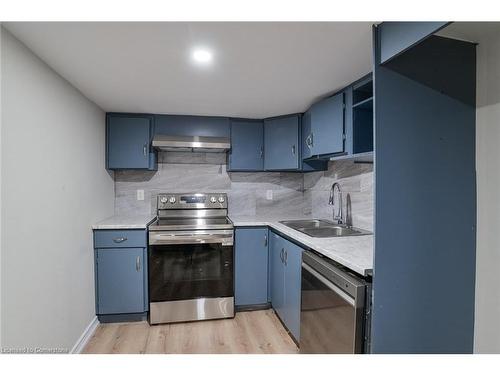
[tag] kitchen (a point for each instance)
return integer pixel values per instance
(330, 222)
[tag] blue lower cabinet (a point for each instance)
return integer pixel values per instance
(286, 265)
(277, 273)
(293, 268)
(121, 274)
(251, 266)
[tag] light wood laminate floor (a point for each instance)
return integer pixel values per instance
(255, 332)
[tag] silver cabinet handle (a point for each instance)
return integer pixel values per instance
(265, 240)
(286, 257)
(293, 149)
(262, 152)
(309, 141)
(119, 239)
(312, 140)
(138, 264)
(281, 255)
(145, 149)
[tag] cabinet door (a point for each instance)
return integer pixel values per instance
(251, 262)
(327, 124)
(277, 274)
(120, 280)
(281, 143)
(128, 139)
(247, 146)
(306, 135)
(293, 268)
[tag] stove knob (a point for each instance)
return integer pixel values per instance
(221, 199)
(172, 200)
(213, 199)
(163, 200)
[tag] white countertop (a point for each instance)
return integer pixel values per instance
(355, 252)
(125, 222)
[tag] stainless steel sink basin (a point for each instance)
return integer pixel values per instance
(312, 223)
(324, 228)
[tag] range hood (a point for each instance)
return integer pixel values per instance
(191, 143)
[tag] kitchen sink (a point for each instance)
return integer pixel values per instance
(324, 228)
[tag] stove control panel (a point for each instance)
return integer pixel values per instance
(166, 201)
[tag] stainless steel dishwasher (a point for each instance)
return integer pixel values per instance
(332, 318)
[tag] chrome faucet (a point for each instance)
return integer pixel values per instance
(331, 201)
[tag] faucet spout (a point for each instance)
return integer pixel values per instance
(331, 201)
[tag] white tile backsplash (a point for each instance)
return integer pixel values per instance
(294, 194)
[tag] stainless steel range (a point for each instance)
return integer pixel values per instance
(191, 259)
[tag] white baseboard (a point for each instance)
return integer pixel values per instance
(85, 337)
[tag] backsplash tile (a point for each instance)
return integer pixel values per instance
(294, 194)
(356, 182)
(205, 172)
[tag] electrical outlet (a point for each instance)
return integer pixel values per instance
(140, 195)
(269, 195)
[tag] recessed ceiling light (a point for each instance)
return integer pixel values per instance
(202, 56)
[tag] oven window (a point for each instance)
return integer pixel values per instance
(178, 272)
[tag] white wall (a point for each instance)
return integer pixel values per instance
(0, 189)
(54, 186)
(487, 316)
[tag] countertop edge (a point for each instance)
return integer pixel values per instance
(135, 223)
(298, 237)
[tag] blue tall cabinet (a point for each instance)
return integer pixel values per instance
(424, 265)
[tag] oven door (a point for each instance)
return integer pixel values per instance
(193, 268)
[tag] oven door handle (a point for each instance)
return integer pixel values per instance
(179, 239)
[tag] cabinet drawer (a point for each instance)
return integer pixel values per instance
(120, 238)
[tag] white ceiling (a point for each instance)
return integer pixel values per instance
(471, 31)
(259, 69)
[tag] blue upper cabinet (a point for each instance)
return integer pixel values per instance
(306, 135)
(247, 145)
(396, 37)
(251, 266)
(128, 141)
(327, 127)
(360, 117)
(281, 143)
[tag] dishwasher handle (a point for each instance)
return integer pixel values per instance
(346, 297)
(329, 274)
